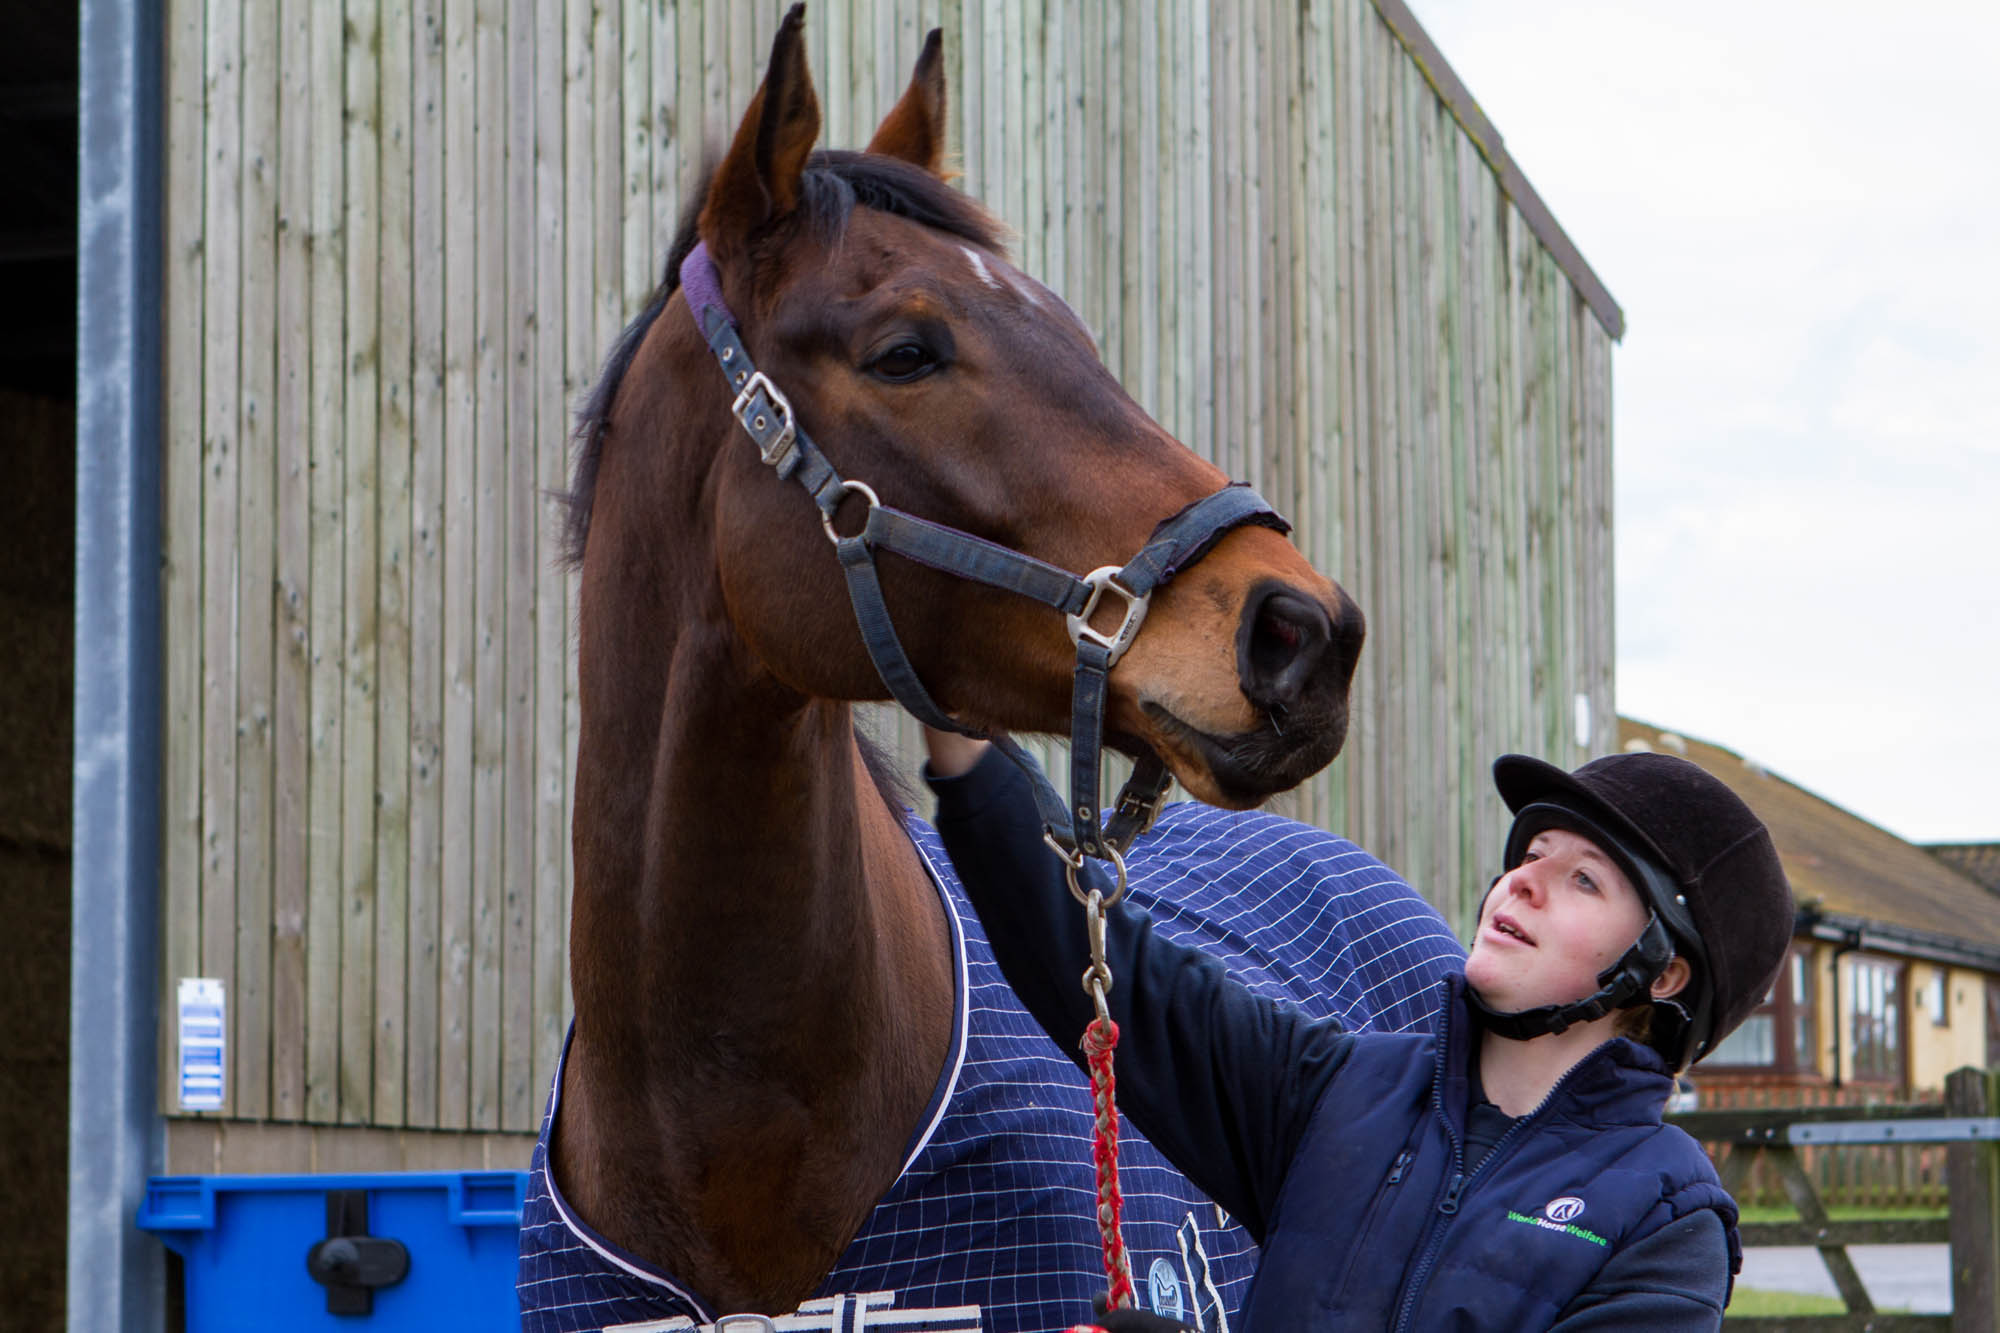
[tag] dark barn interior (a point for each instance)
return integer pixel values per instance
(38, 147)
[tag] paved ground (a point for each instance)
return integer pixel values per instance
(1908, 1277)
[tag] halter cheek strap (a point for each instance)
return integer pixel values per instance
(1074, 828)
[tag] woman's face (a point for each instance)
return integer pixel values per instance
(1552, 923)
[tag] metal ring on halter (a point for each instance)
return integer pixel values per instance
(1073, 869)
(861, 488)
(1116, 642)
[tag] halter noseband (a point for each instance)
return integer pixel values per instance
(1074, 830)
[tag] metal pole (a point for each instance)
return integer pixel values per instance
(116, 1277)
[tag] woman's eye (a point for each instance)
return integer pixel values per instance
(904, 362)
(1589, 884)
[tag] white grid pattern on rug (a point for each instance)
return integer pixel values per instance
(998, 1208)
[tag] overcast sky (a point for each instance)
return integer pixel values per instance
(1798, 207)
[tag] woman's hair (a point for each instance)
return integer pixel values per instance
(1636, 1023)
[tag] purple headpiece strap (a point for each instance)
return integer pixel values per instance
(703, 286)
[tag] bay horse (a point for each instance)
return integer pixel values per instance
(768, 984)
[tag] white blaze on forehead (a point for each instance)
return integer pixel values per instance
(1012, 280)
(979, 267)
(1006, 280)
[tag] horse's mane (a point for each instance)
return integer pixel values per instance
(891, 783)
(834, 183)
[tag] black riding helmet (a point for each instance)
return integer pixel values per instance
(1703, 863)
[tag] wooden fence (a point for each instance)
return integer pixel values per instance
(1874, 1176)
(1746, 1140)
(401, 233)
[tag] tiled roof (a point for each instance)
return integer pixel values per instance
(1838, 861)
(1979, 860)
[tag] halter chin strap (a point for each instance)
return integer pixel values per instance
(1625, 983)
(1075, 827)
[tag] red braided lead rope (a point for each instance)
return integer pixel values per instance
(1100, 1039)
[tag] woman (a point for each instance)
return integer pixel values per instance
(1508, 1172)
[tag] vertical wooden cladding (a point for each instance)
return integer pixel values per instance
(367, 672)
(401, 234)
(1296, 258)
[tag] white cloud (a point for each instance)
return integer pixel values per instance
(1795, 203)
(1913, 403)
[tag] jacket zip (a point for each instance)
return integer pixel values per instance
(1397, 1170)
(1447, 1206)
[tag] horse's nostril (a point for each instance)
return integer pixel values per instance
(1283, 640)
(1277, 629)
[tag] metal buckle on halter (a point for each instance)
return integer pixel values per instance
(1145, 812)
(774, 448)
(1120, 639)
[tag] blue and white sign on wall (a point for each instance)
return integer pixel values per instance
(203, 1044)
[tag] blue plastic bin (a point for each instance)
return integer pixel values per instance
(245, 1240)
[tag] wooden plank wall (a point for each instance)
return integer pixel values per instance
(401, 234)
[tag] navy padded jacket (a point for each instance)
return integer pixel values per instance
(1342, 1153)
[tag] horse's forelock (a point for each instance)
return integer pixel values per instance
(890, 185)
(835, 182)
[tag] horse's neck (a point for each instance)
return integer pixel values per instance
(725, 825)
(761, 969)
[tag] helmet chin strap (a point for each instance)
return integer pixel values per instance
(1625, 983)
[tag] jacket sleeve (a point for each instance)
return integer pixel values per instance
(1677, 1278)
(1223, 1082)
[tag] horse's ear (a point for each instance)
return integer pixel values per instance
(914, 128)
(758, 181)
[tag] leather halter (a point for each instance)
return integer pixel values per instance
(1072, 828)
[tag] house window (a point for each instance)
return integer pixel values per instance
(1779, 1034)
(1875, 1033)
(1803, 1017)
(1753, 1043)
(1937, 998)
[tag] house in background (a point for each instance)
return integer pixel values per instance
(1980, 860)
(1894, 977)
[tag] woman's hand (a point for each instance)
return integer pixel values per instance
(952, 755)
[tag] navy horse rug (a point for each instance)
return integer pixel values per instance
(992, 1225)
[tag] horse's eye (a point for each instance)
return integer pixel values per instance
(904, 362)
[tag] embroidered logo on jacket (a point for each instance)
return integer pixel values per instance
(1560, 1215)
(1566, 1209)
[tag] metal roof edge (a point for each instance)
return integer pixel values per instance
(1458, 99)
(1888, 937)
